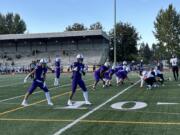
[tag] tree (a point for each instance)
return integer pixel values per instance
(145, 52)
(76, 27)
(11, 24)
(127, 38)
(96, 26)
(2, 24)
(167, 29)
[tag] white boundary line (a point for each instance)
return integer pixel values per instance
(65, 85)
(62, 130)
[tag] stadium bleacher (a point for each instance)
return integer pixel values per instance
(21, 49)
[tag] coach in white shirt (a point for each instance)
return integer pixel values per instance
(175, 69)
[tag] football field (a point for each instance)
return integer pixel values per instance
(123, 110)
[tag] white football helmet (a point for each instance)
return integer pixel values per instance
(80, 58)
(113, 67)
(57, 59)
(43, 61)
(107, 64)
(124, 63)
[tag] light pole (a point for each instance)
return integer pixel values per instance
(115, 59)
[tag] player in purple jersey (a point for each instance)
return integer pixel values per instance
(99, 74)
(78, 70)
(108, 76)
(39, 81)
(57, 71)
(121, 75)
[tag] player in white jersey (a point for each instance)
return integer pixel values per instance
(175, 69)
(148, 77)
(143, 76)
(159, 75)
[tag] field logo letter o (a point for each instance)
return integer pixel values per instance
(138, 105)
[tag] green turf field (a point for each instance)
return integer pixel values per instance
(98, 119)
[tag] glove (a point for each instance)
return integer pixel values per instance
(75, 69)
(25, 80)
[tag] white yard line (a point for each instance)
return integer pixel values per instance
(12, 84)
(65, 85)
(62, 130)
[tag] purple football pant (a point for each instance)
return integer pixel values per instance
(79, 82)
(36, 84)
(57, 73)
(96, 76)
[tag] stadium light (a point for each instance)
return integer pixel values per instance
(115, 59)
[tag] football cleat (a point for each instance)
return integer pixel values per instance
(69, 103)
(88, 103)
(50, 104)
(24, 103)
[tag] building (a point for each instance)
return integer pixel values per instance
(23, 48)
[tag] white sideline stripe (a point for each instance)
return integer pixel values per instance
(38, 92)
(166, 103)
(60, 131)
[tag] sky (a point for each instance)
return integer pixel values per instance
(54, 15)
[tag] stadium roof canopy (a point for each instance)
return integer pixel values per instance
(54, 35)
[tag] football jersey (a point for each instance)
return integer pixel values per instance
(101, 69)
(173, 61)
(57, 64)
(157, 72)
(39, 72)
(78, 69)
(144, 74)
(150, 74)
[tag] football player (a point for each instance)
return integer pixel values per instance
(121, 75)
(108, 76)
(175, 69)
(57, 71)
(159, 75)
(150, 79)
(78, 70)
(39, 81)
(143, 77)
(99, 74)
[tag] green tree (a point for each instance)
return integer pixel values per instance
(167, 29)
(11, 24)
(127, 38)
(76, 27)
(96, 26)
(2, 24)
(145, 52)
(19, 24)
